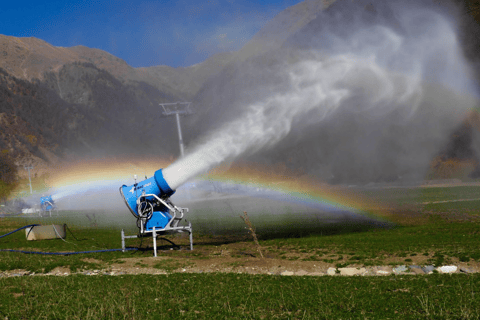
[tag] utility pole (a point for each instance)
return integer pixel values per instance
(177, 109)
(29, 179)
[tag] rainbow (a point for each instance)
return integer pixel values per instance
(303, 188)
(110, 173)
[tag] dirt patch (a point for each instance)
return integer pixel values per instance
(60, 271)
(243, 257)
(91, 260)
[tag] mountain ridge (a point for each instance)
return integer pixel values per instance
(31, 58)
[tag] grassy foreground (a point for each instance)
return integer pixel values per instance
(431, 226)
(231, 296)
(436, 243)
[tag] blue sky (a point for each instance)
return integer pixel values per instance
(143, 33)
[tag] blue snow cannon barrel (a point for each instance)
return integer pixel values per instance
(155, 185)
(46, 203)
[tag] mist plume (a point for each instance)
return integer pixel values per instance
(371, 95)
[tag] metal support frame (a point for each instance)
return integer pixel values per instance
(126, 237)
(155, 233)
(177, 109)
(43, 209)
(28, 168)
(171, 227)
(180, 139)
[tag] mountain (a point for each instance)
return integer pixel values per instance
(189, 80)
(31, 58)
(95, 114)
(34, 121)
(281, 27)
(105, 105)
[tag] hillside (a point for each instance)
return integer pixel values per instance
(100, 99)
(276, 31)
(189, 80)
(94, 114)
(32, 58)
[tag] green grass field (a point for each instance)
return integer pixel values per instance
(430, 229)
(231, 296)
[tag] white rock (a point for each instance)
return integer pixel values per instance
(287, 273)
(331, 271)
(382, 272)
(352, 271)
(400, 269)
(447, 269)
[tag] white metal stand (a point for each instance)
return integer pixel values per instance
(172, 227)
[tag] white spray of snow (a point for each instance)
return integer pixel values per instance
(377, 70)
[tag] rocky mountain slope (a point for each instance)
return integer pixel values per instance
(104, 106)
(31, 58)
(189, 80)
(92, 116)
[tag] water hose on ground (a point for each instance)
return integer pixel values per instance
(66, 253)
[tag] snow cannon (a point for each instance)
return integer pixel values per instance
(46, 203)
(148, 190)
(149, 202)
